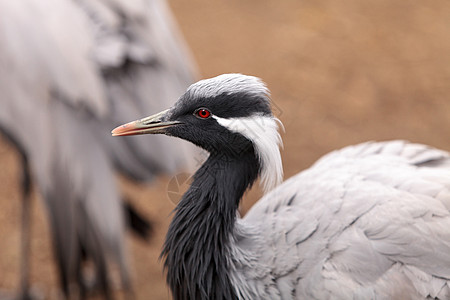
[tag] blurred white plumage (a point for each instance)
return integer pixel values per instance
(67, 68)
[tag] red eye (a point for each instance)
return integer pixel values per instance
(203, 113)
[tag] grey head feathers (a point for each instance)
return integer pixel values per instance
(240, 104)
(229, 84)
(227, 96)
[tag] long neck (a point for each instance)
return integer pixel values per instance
(197, 246)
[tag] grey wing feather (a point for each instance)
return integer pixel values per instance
(366, 222)
(145, 72)
(41, 54)
(70, 71)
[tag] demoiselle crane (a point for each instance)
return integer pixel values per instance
(69, 71)
(370, 221)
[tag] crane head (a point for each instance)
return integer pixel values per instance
(227, 115)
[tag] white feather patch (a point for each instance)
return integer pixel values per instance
(228, 83)
(263, 132)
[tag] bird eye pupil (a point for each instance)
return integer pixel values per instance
(203, 113)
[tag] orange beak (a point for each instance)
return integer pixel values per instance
(149, 125)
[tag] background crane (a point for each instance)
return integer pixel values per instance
(69, 71)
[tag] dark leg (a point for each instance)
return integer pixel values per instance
(25, 238)
(79, 270)
(136, 221)
(93, 250)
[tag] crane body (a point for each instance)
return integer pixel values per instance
(369, 221)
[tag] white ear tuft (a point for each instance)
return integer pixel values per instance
(263, 132)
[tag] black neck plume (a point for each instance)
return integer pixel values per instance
(197, 246)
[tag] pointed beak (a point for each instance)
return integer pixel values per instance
(149, 125)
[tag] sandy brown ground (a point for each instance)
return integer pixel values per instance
(340, 72)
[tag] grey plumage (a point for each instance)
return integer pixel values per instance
(69, 70)
(370, 221)
(366, 222)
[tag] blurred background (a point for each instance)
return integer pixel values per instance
(340, 73)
